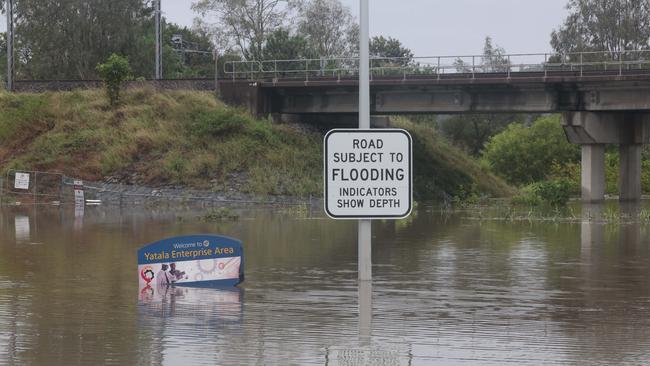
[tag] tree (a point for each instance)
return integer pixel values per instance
(390, 47)
(3, 55)
(68, 38)
(524, 155)
(244, 24)
(328, 26)
(492, 60)
(282, 45)
(473, 131)
(114, 72)
(597, 25)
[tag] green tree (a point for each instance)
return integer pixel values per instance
(282, 45)
(391, 53)
(244, 24)
(493, 60)
(3, 56)
(114, 72)
(597, 25)
(67, 38)
(472, 131)
(328, 26)
(524, 155)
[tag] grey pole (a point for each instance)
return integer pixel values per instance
(157, 16)
(10, 44)
(365, 226)
(216, 73)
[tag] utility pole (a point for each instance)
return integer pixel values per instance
(10, 44)
(365, 225)
(158, 15)
(215, 54)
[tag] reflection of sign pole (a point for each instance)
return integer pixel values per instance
(365, 226)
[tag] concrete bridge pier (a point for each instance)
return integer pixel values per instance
(630, 172)
(593, 172)
(593, 131)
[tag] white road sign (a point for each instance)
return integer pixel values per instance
(78, 186)
(21, 181)
(368, 174)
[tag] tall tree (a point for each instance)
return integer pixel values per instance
(67, 38)
(473, 131)
(245, 24)
(328, 26)
(390, 48)
(3, 56)
(282, 45)
(604, 25)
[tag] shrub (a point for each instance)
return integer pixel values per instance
(524, 155)
(220, 122)
(550, 192)
(114, 72)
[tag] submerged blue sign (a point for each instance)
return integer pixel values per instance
(196, 260)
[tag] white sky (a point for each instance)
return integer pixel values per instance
(449, 27)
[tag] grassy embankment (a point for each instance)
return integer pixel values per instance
(191, 139)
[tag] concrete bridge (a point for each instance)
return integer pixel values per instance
(604, 97)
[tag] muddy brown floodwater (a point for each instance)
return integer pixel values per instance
(450, 288)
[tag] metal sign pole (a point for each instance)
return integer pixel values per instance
(365, 226)
(10, 44)
(157, 16)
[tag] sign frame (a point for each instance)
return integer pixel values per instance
(365, 131)
(193, 249)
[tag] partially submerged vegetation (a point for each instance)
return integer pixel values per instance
(190, 139)
(220, 214)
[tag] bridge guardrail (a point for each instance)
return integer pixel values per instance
(342, 67)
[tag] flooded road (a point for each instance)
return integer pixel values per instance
(461, 288)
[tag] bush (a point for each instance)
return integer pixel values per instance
(114, 72)
(220, 122)
(524, 155)
(550, 192)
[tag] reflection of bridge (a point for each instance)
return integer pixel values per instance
(605, 97)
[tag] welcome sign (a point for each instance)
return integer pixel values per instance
(197, 260)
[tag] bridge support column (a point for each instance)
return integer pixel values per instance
(630, 173)
(593, 130)
(593, 173)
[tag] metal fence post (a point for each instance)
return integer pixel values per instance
(473, 66)
(581, 63)
(620, 64)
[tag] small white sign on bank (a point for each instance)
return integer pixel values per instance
(368, 174)
(21, 181)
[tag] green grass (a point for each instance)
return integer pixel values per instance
(191, 139)
(443, 169)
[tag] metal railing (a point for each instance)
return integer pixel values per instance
(469, 66)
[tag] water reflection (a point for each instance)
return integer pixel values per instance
(448, 289)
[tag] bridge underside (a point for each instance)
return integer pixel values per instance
(598, 110)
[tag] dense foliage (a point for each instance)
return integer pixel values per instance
(597, 25)
(524, 155)
(66, 39)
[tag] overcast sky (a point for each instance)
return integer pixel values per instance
(449, 27)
